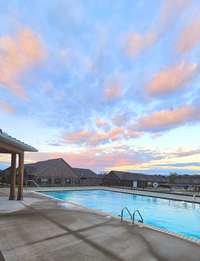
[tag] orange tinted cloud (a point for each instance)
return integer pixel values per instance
(18, 54)
(113, 90)
(98, 138)
(167, 119)
(131, 133)
(169, 11)
(189, 37)
(6, 107)
(95, 138)
(92, 137)
(171, 79)
(136, 42)
(116, 133)
(101, 122)
(77, 137)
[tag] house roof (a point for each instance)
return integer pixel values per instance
(7, 139)
(50, 168)
(180, 179)
(138, 176)
(86, 173)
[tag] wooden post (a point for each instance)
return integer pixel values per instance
(12, 177)
(21, 177)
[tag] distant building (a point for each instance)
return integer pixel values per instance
(128, 179)
(49, 172)
(187, 180)
(55, 172)
(88, 177)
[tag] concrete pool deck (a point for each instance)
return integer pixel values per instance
(44, 230)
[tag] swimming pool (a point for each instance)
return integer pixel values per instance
(171, 215)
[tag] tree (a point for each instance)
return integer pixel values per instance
(172, 177)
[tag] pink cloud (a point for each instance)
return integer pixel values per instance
(137, 42)
(101, 122)
(77, 137)
(189, 37)
(172, 78)
(17, 55)
(115, 133)
(113, 90)
(98, 138)
(131, 133)
(93, 138)
(6, 107)
(167, 119)
(169, 11)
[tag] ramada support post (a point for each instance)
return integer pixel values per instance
(21, 177)
(12, 177)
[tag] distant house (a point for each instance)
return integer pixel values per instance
(128, 179)
(88, 177)
(50, 172)
(54, 172)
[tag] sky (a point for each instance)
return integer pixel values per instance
(103, 84)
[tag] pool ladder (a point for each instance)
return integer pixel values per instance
(132, 216)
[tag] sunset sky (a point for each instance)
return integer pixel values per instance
(104, 84)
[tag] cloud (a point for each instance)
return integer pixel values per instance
(168, 119)
(185, 153)
(136, 42)
(131, 133)
(6, 107)
(113, 90)
(77, 137)
(101, 122)
(187, 164)
(17, 54)
(170, 79)
(115, 133)
(189, 37)
(169, 11)
(94, 138)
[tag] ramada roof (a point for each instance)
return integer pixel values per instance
(7, 139)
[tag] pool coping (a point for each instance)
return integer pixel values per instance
(108, 214)
(127, 191)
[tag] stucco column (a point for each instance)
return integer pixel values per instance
(21, 177)
(12, 177)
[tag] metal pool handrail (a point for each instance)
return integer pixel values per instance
(133, 216)
(122, 213)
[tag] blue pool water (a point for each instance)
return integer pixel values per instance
(176, 216)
